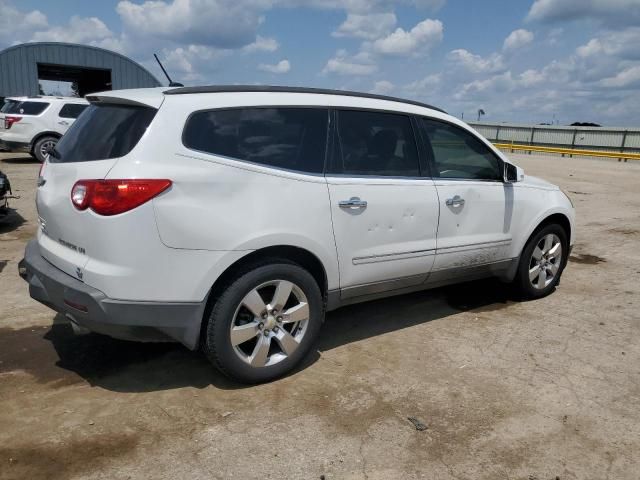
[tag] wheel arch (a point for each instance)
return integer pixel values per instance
(44, 134)
(288, 253)
(559, 218)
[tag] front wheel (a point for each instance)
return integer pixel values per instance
(42, 148)
(264, 323)
(542, 261)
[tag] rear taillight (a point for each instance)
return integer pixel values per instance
(10, 120)
(111, 197)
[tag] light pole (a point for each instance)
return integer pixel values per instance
(480, 113)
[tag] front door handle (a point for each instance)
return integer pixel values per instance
(353, 203)
(456, 201)
(63, 123)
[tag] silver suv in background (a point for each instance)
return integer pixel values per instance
(35, 124)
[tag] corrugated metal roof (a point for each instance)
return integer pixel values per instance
(19, 66)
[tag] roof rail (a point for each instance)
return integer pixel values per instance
(275, 88)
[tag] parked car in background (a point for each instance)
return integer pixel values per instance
(35, 124)
(232, 218)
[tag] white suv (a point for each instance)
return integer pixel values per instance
(233, 218)
(35, 124)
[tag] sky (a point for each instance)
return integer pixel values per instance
(525, 61)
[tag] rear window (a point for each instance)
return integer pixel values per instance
(24, 107)
(291, 138)
(102, 132)
(72, 110)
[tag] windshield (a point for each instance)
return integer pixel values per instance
(102, 132)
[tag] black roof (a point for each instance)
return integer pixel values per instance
(272, 88)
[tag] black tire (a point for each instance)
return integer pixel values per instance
(217, 344)
(38, 147)
(522, 282)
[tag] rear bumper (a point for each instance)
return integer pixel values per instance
(90, 308)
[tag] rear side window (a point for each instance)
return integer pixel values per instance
(72, 110)
(290, 138)
(24, 107)
(8, 105)
(459, 154)
(102, 132)
(375, 143)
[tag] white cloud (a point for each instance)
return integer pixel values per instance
(383, 87)
(501, 84)
(421, 38)
(424, 85)
(361, 6)
(78, 30)
(343, 64)
(431, 4)
(218, 23)
(624, 79)
(234, 24)
(369, 26)
(531, 77)
(615, 12)
(184, 64)
(262, 44)
(517, 39)
(283, 66)
(14, 22)
(622, 43)
(476, 63)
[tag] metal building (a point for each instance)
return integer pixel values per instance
(93, 69)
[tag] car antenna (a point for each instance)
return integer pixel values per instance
(171, 82)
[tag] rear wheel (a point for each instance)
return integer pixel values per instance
(264, 323)
(542, 262)
(43, 146)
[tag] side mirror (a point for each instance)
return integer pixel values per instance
(512, 173)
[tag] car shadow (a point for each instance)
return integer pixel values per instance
(55, 355)
(18, 159)
(10, 221)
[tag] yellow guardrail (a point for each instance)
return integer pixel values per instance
(569, 151)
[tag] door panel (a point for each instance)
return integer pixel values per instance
(393, 237)
(476, 206)
(475, 227)
(385, 215)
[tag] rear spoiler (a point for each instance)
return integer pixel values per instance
(142, 97)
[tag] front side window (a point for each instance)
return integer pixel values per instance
(290, 138)
(71, 110)
(375, 143)
(459, 154)
(24, 107)
(104, 131)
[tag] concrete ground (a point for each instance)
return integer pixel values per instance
(548, 389)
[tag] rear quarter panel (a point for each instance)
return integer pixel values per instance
(228, 206)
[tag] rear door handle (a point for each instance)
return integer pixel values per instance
(353, 203)
(63, 123)
(456, 201)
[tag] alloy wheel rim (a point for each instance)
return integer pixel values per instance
(46, 147)
(545, 261)
(269, 323)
